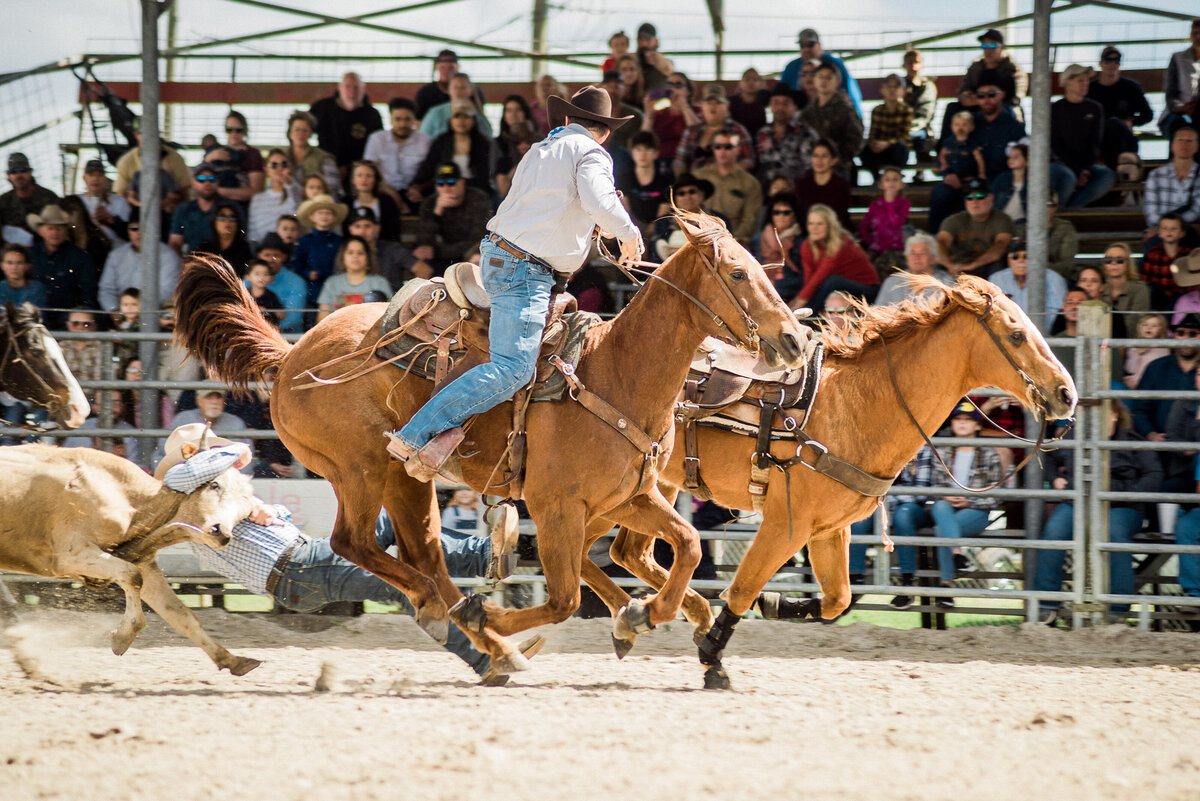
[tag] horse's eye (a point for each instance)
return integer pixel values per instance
(1017, 338)
(215, 486)
(738, 275)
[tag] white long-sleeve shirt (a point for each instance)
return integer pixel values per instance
(562, 188)
(123, 269)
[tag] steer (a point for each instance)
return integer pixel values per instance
(88, 515)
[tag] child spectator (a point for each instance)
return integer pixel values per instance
(887, 141)
(289, 230)
(1010, 185)
(959, 155)
(128, 318)
(356, 274)
(1149, 326)
(1156, 264)
(882, 229)
(618, 46)
(316, 252)
(461, 514)
(18, 287)
(822, 184)
(646, 189)
(780, 240)
(258, 277)
(315, 186)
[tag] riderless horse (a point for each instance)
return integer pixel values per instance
(32, 367)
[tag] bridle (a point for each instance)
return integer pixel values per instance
(750, 342)
(14, 356)
(1036, 395)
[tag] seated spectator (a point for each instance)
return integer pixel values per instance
(226, 238)
(66, 270)
(82, 356)
(1066, 323)
(780, 241)
(1149, 326)
(1124, 103)
(1175, 372)
(690, 194)
(288, 228)
(965, 100)
(812, 50)
(748, 105)
(1011, 187)
(400, 151)
(670, 115)
(129, 168)
(1062, 243)
(590, 289)
(620, 140)
(833, 117)
(920, 94)
(86, 232)
(1186, 273)
(887, 142)
(290, 288)
(832, 261)
(655, 66)
(963, 515)
(464, 145)
(452, 221)
(695, 147)
(996, 68)
(1091, 281)
(124, 269)
(110, 210)
(280, 196)
(258, 279)
(959, 160)
(437, 92)
(645, 190)
(517, 133)
(822, 184)
(618, 47)
(635, 85)
(736, 193)
(393, 261)
(919, 250)
(1179, 86)
(307, 161)
(355, 275)
(1076, 130)
(1157, 261)
(248, 162)
(368, 190)
(1128, 471)
(1013, 279)
(1183, 425)
(128, 318)
(18, 287)
(882, 229)
(191, 224)
(974, 241)
(1174, 188)
(785, 146)
(344, 121)
(125, 447)
(436, 121)
(210, 410)
(1123, 292)
(316, 252)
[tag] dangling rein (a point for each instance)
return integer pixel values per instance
(362, 369)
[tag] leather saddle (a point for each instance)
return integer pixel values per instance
(724, 374)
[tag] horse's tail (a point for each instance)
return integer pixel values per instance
(219, 323)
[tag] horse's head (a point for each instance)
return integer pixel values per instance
(1014, 356)
(32, 367)
(744, 307)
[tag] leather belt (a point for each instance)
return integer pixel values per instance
(282, 562)
(513, 250)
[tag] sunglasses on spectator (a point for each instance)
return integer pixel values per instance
(204, 179)
(462, 115)
(989, 45)
(446, 181)
(90, 324)
(1186, 333)
(836, 310)
(676, 84)
(235, 129)
(1017, 254)
(227, 218)
(1111, 60)
(276, 164)
(1115, 260)
(686, 192)
(982, 95)
(725, 146)
(782, 211)
(133, 227)
(976, 196)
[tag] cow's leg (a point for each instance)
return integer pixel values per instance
(91, 562)
(159, 595)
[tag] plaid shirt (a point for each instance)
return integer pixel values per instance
(917, 473)
(838, 122)
(1156, 270)
(691, 155)
(1165, 192)
(189, 476)
(251, 555)
(891, 126)
(789, 158)
(985, 470)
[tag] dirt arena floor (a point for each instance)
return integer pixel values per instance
(816, 712)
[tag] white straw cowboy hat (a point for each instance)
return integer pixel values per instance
(51, 215)
(589, 103)
(340, 210)
(197, 435)
(1186, 269)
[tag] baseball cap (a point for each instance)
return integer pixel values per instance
(1190, 320)
(446, 55)
(991, 35)
(93, 165)
(361, 213)
(714, 91)
(1110, 52)
(976, 187)
(1017, 244)
(1074, 71)
(966, 408)
(808, 35)
(273, 241)
(646, 29)
(18, 161)
(447, 172)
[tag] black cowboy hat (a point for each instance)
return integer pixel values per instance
(687, 179)
(589, 103)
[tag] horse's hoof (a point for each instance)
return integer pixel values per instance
(622, 647)
(437, 628)
(241, 665)
(497, 672)
(469, 614)
(121, 641)
(632, 619)
(715, 678)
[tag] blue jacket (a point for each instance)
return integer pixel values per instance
(994, 137)
(1163, 374)
(313, 260)
(293, 294)
(791, 76)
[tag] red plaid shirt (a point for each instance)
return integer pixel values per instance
(1156, 270)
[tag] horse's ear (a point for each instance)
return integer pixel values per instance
(10, 309)
(31, 311)
(691, 228)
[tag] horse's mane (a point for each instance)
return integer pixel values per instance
(704, 227)
(902, 319)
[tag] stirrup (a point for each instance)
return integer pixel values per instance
(427, 463)
(396, 447)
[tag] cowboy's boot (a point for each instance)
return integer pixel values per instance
(425, 464)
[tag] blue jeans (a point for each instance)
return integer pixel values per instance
(906, 519)
(1123, 521)
(520, 295)
(951, 522)
(1187, 532)
(1070, 196)
(316, 576)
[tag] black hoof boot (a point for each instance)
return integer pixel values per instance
(469, 614)
(715, 678)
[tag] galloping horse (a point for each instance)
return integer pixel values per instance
(32, 367)
(970, 335)
(578, 468)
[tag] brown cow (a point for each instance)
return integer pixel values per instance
(88, 515)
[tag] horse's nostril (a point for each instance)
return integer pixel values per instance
(791, 345)
(1065, 393)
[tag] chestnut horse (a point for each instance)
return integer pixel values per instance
(578, 467)
(969, 336)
